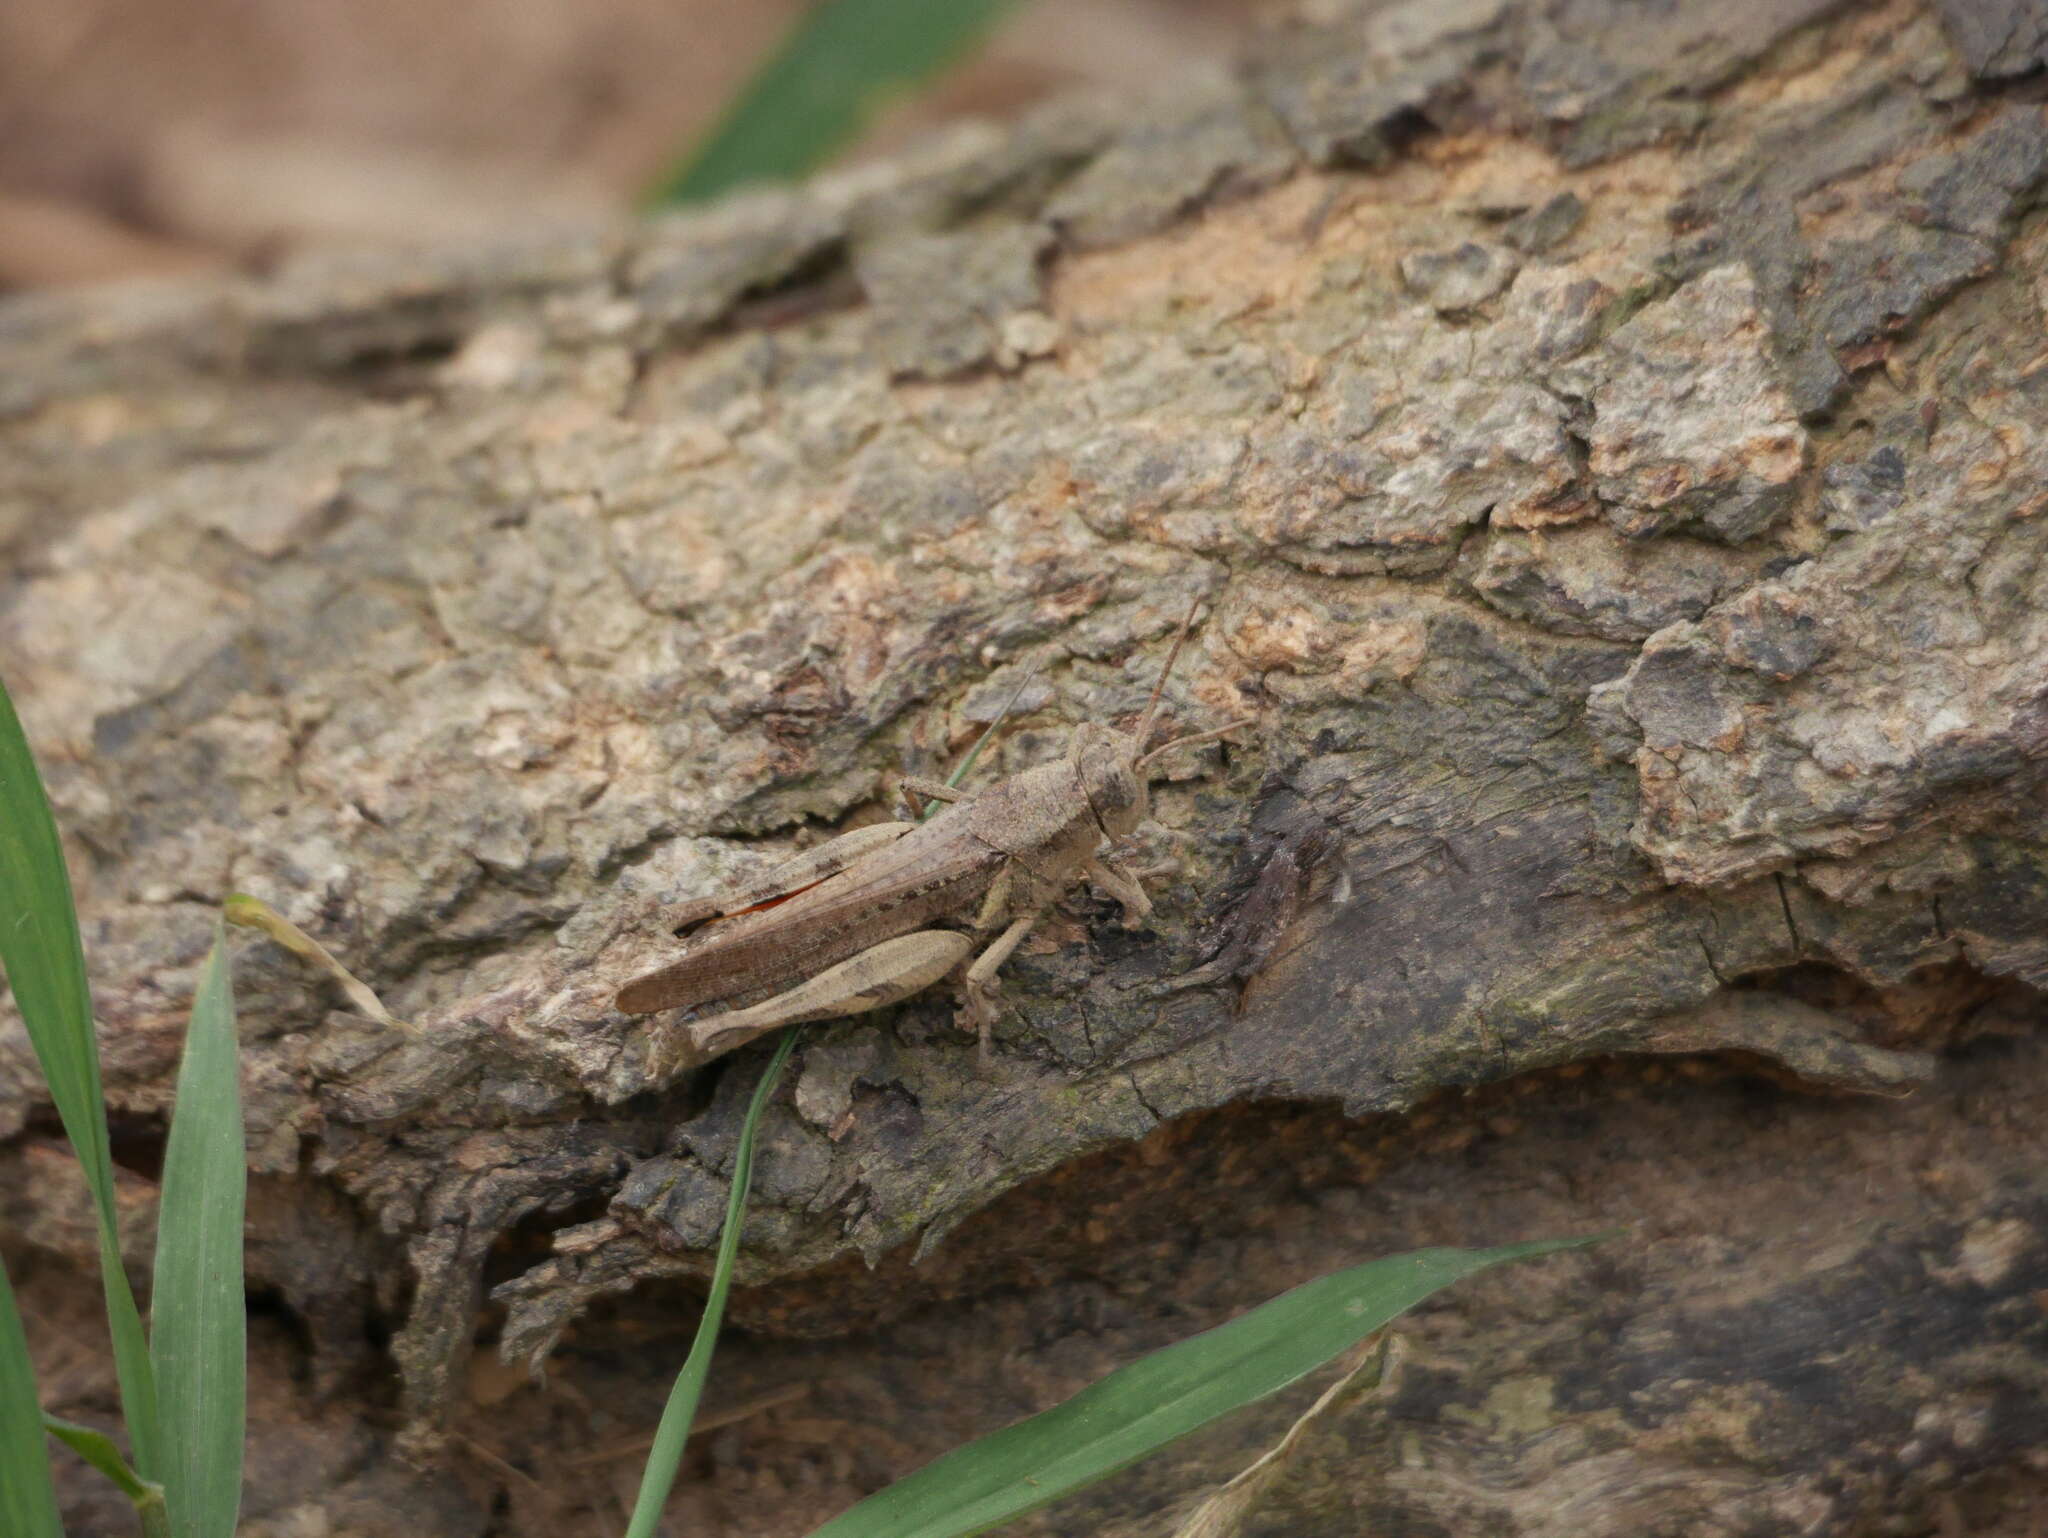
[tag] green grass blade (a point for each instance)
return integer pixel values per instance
(198, 1315)
(1138, 1409)
(988, 733)
(46, 968)
(663, 1459)
(842, 62)
(98, 1449)
(28, 1501)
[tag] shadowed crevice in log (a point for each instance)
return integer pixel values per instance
(1764, 1306)
(1210, 1174)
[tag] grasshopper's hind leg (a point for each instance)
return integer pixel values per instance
(880, 975)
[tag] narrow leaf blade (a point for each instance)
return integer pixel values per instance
(98, 1449)
(198, 1312)
(839, 65)
(28, 1500)
(1139, 1409)
(658, 1477)
(45, 964)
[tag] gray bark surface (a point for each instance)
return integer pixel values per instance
(1610, 445)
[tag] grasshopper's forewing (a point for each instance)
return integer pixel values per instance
(937, 869)
(794, 875)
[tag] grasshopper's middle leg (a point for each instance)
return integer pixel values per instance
(881, 974)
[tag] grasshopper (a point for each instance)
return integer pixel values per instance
(853, 925)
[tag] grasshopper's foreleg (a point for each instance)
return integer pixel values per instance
(879, 975)
(1123, 884)
(917, 789)
(977, 988)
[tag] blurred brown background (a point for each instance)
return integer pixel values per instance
(142, 137)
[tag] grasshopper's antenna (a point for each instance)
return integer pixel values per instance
(1189, 741)
(1159, 688)
(1016, 694)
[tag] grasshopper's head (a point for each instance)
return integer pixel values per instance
(1112, 765)
(1110, 778)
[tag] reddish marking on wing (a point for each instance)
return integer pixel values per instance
(693, 926)
(773, 902)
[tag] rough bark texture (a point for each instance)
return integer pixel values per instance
(1612, 444)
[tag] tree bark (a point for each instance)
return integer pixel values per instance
(1609, 445)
